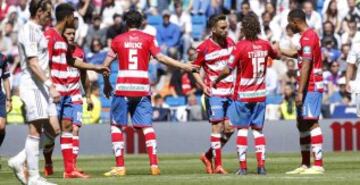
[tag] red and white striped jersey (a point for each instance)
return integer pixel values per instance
(133, 50)
(65, 78)
(310, 50)
(250, 58)
(213, 58)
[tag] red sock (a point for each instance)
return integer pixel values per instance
(216, 147)
(260, 143)
(150, 140)
(305, 148)
(76, 144)
(47, 152)
(66, 142)
(241, 144)
(117, 140)
(316, 146)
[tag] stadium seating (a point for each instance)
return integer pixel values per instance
(175, 101)
(154, 20)
(198, 26)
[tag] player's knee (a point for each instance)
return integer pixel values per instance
(228, 129)
(76, 130)
(66, 126)
(2, 125)
(216, 127)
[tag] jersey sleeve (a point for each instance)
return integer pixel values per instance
(5, 68)
(30, 43)
(200, 58)
(154, 47)
(307, 46)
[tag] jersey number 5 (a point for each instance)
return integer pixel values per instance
(258, 65)
(133, 59)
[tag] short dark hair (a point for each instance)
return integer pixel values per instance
(63, 10)
(251, 27)
(216, 18)
(116, 15)
(36, 4)
(133, 19)
(297, 14)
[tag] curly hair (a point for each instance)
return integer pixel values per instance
(251, 27)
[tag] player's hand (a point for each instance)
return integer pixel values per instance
(102, 69)
(206, 90)
(8, 106)
(348, 88)
(54, 94)
(107, 90)
(90, 104)
(299, 99)
(188, 67)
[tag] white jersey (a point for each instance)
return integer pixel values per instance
(32, 43)
(354, 58)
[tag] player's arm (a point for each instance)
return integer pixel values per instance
(233, 61)
(199, 61)
(5, 77)
(80, 64)
(304, 77)
(87, 88)
(224, 73)
(107, 85)
(174, 63)
(40, 75)
(289, 53)
(350, 71)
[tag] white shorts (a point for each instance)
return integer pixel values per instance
(38, 104)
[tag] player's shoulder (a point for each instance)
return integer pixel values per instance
(309, 35)
(204, 44)
(230, 41)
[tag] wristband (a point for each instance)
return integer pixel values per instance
(48, 83)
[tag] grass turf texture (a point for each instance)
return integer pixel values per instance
(341, 168)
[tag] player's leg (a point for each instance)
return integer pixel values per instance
(66, 140)
(2, 117)
(50, 132)
(36, 105)
(77, 122)
(239, 115)
(310, 132)
(141, 112)
(313, 102)
(2, 129)
(119, 119)
(257, 123)
(216, 114)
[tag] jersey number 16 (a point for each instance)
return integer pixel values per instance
(258, 65)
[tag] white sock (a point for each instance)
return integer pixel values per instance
(32, 155)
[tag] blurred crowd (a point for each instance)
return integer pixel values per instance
(176, 96)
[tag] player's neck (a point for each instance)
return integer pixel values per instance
(36, 21)
(132, 29)
(59, 27)
(304, 28)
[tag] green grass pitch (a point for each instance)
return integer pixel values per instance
(341, 168)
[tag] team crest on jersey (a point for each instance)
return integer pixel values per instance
(307, 50)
